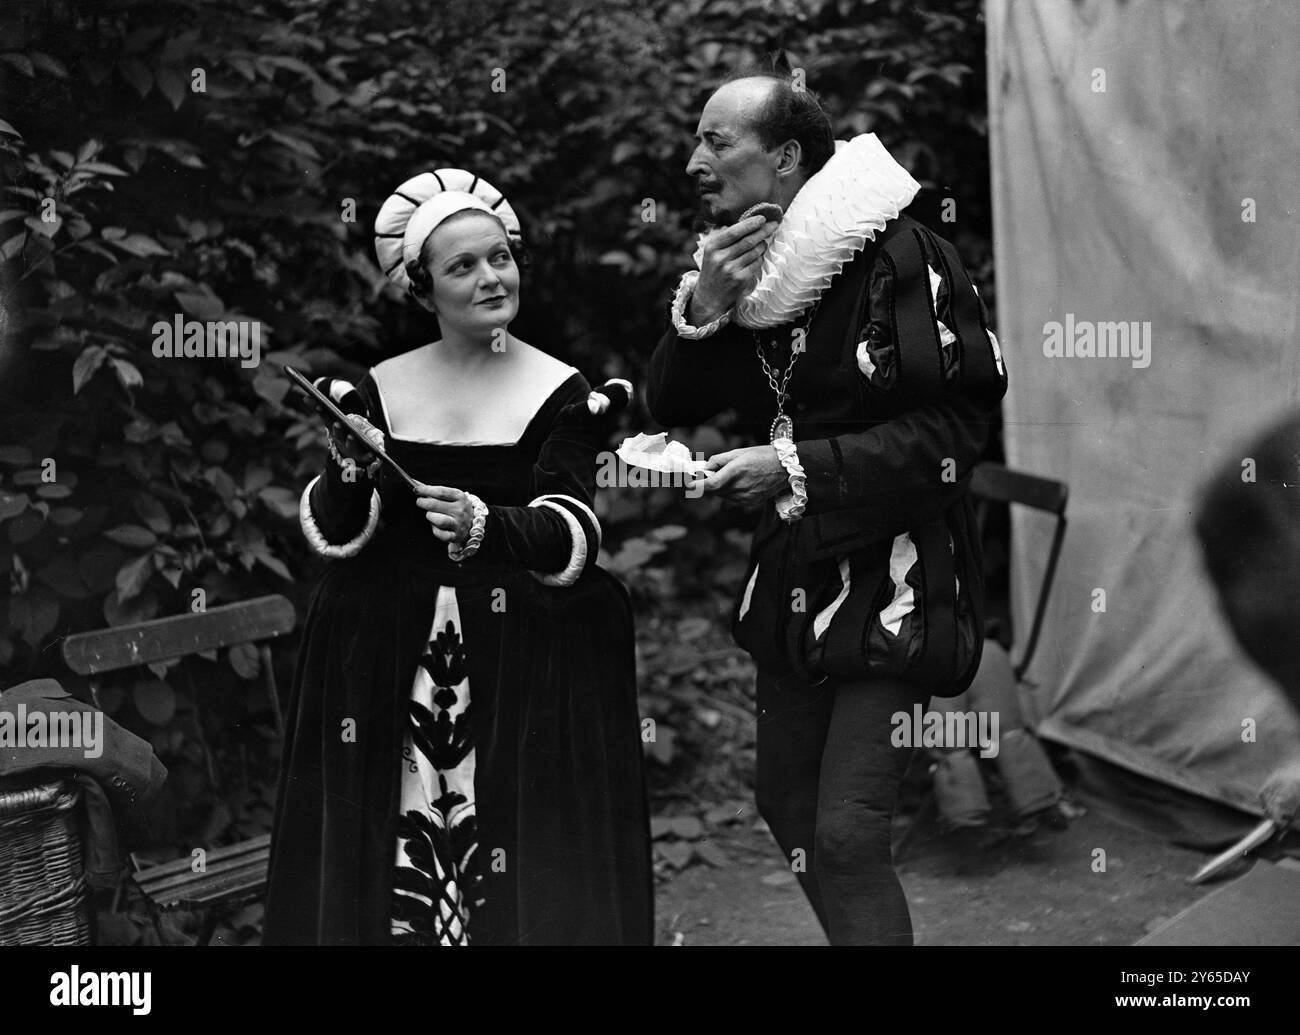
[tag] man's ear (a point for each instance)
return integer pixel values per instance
(789, 156)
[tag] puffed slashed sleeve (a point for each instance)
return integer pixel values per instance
(557, 536)
(339, 516)
(928, 308)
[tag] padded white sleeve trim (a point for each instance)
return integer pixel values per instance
(591, 515)
(323, 546)
(578, 556)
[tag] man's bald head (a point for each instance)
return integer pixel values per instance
(779, 112)
(760, 139)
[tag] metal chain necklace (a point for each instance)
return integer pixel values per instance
(782, 425)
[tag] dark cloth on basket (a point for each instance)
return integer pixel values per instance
(116, 785)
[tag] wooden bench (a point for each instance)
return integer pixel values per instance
(233, 873)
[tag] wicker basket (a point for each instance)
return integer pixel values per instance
(43, 895)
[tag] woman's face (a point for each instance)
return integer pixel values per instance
(475, 279)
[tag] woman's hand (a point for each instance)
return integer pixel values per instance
(349, 442)
(450, 511)
(744, 476)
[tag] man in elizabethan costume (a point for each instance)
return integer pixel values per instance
(851, 339)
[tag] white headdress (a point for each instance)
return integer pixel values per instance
(416, 208)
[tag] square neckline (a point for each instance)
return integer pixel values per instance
(546, 405)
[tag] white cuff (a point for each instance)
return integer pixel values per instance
(791, 505)
(680, 301)
(323, 546)
(578, 555)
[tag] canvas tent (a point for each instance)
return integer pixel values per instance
(1145, 175)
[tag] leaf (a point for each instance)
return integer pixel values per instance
(103, 168)
(20, 62)
(98, 566)
(25, 526)
(685, 828)
(709, 852)
(87, 363)
(661, 748)
(726, 813)
(132, 576)
(244, 660)
(131, 535)
(11, 504)
(271, 388)
(9, 130)
(66, 517)
(677, 854)
(693, 628)
(153, 514)
(49, 64)
(127, 612)
(265, 557)
(127, 374)
(174, 85)
(203, 304)
(282, 501)
(160, 668)
(137, 74)
(12, 246)
(250, 917)
(140, 245)
(33, 615)
(155, 701)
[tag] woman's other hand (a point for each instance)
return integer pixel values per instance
(350, 443)
(450, 511)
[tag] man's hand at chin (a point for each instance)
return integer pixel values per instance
(732, 257)
(745, 476)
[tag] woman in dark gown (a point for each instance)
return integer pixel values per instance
(462, 762)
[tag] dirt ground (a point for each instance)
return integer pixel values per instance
(1038, 888)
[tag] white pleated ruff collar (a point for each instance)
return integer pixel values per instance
(841, 207)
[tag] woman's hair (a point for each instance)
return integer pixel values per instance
(417, 270)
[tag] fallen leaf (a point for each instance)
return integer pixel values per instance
(677, 854)
(727, 812)
(686, 828)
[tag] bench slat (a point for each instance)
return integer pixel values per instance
(210, 889)
(106, 650)
(219, 860)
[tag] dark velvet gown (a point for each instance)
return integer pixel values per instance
(462, 759)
